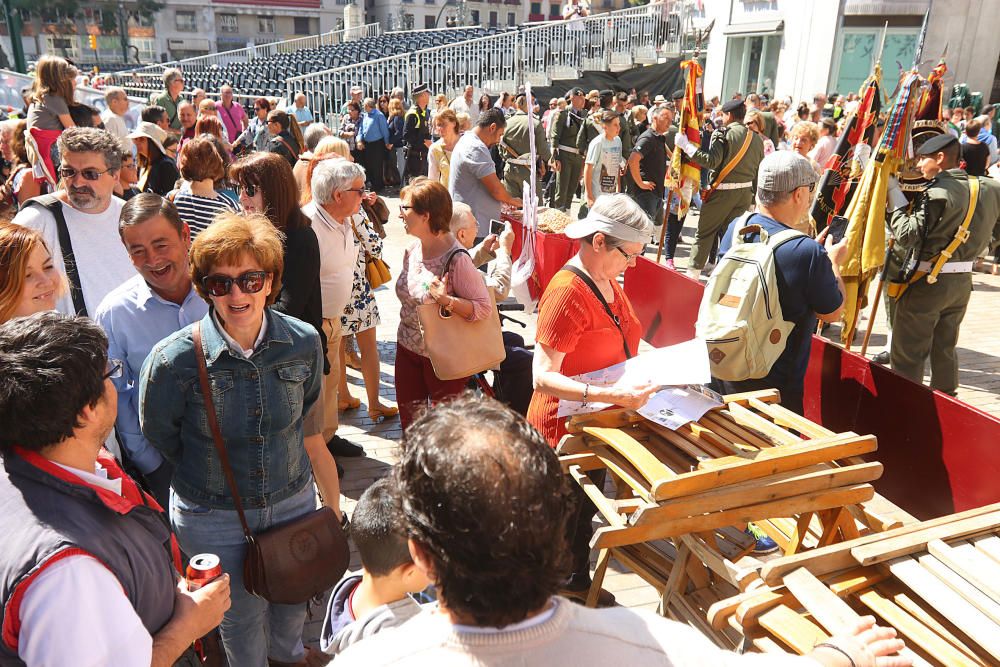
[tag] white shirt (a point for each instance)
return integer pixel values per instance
(101, 259)
(459, 105)
(76, 613)
(338, 254)
(117, 126)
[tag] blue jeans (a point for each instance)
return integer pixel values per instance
(253, 629)
(651, 203)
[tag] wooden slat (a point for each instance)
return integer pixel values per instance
(914, 632)
(770, 430)
(765, 395)
(724, 425)
(610, 536)
(960, 585)
(792, 628)
(648, 465)
(785, 417)
(765, 462)
(768, 489)
(989, 545)
(972, 621)
(697, 452)
(585, 462)
(600, 501)
(835, 615)
(973, 566)
(838, 556)
(623, 470)
(912, 542)
(613, 418)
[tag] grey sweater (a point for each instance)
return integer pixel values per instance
(341, 629)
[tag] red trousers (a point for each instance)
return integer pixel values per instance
(416, 383)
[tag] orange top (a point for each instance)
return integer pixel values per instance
(572, 320)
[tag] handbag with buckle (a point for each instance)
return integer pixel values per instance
(457, 347)
(376, 271)
(292, 562)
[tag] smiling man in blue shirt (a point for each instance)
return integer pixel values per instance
(144, 310)
(373, 142)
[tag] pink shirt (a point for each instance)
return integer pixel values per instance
(412, 289)
(232, 118)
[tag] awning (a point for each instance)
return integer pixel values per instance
(756, 28)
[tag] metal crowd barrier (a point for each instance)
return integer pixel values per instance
(489, 63)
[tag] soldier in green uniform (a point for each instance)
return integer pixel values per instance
(417, 134)
(515, 147)
(732, 178)
(928, 314)
(591, 128)
(567, 161)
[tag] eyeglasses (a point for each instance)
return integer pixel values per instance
(404, 207)
(811, 186)
(364, 192)
(628, 256)
(115, 369)
(250, 282)
(89, 174)
(250, 189)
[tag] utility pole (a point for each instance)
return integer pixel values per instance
(13, 19)
(122, 30)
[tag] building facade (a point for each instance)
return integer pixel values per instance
(798, 48)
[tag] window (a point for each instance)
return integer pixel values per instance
(493, 19)
(751, 64)
(265, 25)
(302, 25)
(555, 11)
(428, 21)
(184, 21)
(475, 17)
(853, 59)
(511, 19)
(62, 45)
(536, 8)
(228, 23)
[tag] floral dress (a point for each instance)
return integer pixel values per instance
(361, 312)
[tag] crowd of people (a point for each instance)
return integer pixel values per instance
(246, 239)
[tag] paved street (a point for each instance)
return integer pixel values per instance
(979, 354)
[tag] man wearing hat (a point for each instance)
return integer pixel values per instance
(589, 130)
(733, 156)
(416, 134)
(515, 147)
(809, 283)
(929, 311)
(356, 94)
(567, 160)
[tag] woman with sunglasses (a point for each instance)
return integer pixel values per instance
(436, 269)
(265, 369)
(577, 333)
(29, 280)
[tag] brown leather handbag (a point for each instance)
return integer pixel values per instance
(292, 562)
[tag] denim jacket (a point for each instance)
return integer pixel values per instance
(259, 401)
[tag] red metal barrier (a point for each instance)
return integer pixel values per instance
(938, 451)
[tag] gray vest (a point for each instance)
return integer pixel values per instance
(45, 515)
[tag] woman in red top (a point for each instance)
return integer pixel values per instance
(576, 334)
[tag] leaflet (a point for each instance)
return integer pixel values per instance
(675, 406)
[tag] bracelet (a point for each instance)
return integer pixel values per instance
(836, 648)
(451, 303)
(586, 390)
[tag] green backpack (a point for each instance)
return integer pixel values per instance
(740, 315)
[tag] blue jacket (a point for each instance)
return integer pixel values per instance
(396, 125)
(259, 401)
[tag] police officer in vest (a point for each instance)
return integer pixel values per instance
(733, 156)
(87, 574)
(567, 161)
(515, 147)
(943, 232)
(417, 134)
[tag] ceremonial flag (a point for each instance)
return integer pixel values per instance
(866, 231)
(684, 176)
(929, 107)
(844, 168)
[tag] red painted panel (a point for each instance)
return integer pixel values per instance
(938, 451)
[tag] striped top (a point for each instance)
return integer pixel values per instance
(199, 212)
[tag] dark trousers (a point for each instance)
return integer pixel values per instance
(416, 384)
(373, 157)
(672, 235)
(416, 162)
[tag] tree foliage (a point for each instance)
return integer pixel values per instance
(74, 8)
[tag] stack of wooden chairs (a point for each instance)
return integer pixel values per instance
(683, 498)
(936, 582)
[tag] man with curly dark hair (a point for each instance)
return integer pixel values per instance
(486, 504)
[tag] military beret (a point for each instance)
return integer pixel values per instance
(574, 92)
(936, 144)
(733, 105)
(607, 93)
(678, 94)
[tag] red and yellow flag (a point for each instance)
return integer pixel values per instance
(684, 175)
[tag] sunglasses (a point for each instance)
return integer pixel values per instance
(89, 174)
(115, 369)
(250, 189)
(250, 282)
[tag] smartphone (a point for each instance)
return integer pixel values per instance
(497, 227)
(838, 227)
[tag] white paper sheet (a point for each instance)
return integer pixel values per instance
(675, 406)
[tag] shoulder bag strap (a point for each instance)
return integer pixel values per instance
(728, 168)
(213, 424)
(600, 297)
(54, 205)
(287, 145)
(361, 243)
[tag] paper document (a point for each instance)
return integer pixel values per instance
(675, 406)
(675, 365)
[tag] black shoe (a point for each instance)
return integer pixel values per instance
(881, 358)
(339, 446)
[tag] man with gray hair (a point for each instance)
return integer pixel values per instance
(337, 189)
(114, 118)
(301, 112)
(808, 274)
(170, 96)
(79, 222)
(647, 164)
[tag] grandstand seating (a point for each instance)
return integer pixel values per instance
(266, 76)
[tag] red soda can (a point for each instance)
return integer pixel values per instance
(203, 569)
